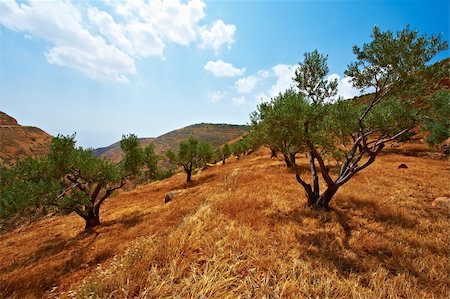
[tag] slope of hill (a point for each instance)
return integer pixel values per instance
(215, 134)
(242, 230)
(18, 142)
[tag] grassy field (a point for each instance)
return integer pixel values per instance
(242, 230)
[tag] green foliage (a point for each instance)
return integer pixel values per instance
(437, 120)
(70, 179)
(27, 187)
(389, 60)
(311, 78)
(151, 162)
(279, 123)
(191, 154)
(353, 133)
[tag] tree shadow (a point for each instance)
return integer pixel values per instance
(194, 183)
(34, 284)
(50, 248)
(379, 213)
(325, 245)
(128, 221)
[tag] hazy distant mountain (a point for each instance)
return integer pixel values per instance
(18, 142)
(215, 134)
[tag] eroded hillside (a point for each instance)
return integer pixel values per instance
(242, 229)
(19, 142)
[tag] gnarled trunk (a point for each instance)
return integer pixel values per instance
(189, 175)
(314, 175)
(92, 219)
(287, 160)
(322, 202)
(273, 153)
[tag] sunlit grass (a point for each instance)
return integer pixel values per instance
(242, 230)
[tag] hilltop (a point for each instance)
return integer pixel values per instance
(242, 229)
(19, 142)
(215, 134)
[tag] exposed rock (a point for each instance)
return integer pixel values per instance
(6, 120)
(172, 194)
(441, 202)
(403, 165)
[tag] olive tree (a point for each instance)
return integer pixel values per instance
(71, 179)
(395, 67)
(88, 181)
(225, 152)
(271, 127)
(191, 154)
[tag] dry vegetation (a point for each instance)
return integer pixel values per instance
(242, 230)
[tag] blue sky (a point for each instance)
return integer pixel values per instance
(107, 68)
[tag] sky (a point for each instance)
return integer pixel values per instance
(107, 68)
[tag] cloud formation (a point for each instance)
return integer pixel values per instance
(220, 34)
(247, 84)
(284, 74)
(220, 68)
(105, 44)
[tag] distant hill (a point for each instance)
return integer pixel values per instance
(215, 134)
(19, 142)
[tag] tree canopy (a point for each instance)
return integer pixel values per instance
(394, 66)
(191, 154)
(71, 179)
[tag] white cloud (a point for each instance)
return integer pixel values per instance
(75, 47)
(284, 74)
(247, 84)
(216, 96)
(106, 47)
(222, 69)
(113, 32)
(220, 34)
(263, 74)
(345, 87)
(239, 101)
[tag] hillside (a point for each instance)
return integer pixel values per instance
(215, 134)
(242, 229)
(18, 142)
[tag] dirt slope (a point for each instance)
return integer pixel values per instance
(18, 142)
(215, 134)
(242, 229)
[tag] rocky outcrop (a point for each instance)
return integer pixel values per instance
(6, 120)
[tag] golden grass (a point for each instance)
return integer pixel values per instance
(242, 231)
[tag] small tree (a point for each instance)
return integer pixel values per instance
(437, 120)
(271, 125)
(226, 152)
(352, 133)
(151, 160)
(312, 82)
(88, 181)
(70, 179)
(191, 154)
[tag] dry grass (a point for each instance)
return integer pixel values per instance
(242, 230)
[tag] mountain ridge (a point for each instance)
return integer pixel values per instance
(215, 134)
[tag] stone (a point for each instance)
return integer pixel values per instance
(403, 165)
(171, 195)
(441, 202)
